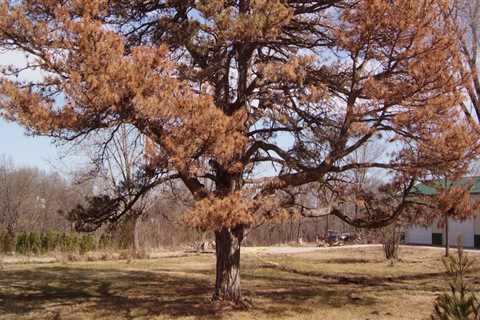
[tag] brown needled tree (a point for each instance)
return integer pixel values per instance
(243, 100)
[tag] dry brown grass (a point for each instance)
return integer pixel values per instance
(333, 284)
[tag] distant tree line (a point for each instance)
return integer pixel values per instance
(34, 200)
(35, 207)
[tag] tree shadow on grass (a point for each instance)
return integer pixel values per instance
(282, 293)
(358, 279)
(349, 260)
(174, 292)
(103, 293)
(65, 292)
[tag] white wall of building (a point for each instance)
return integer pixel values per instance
(419, 235)
(466, 229)
(422, 235)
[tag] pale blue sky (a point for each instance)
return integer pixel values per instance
(26, 150)
(21, 149)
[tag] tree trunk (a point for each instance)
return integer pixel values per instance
(136, 236)
(227, 284)
(299, 232)
(391, 243)
(326, 227)
(447, 245)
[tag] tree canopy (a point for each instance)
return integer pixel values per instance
(224, 89)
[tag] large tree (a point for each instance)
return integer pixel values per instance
(244, 100)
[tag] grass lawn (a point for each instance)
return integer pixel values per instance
(339, 283)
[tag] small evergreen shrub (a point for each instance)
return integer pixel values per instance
(2, 239)
(62, 242)
(49, 241)
(21, 244)
(460, 302)
(105, 241)
(73, 242)
(7, 242)
(2, 242)
(34, 243)
(69, 242)
(87, 243)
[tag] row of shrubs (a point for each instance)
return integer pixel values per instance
(34, 243)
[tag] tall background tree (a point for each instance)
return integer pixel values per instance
(244, 101)
(17, 194)
(114, 169)
(467, 19)
(32, 200)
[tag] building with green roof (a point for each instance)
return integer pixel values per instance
(468, 229)
(430, 189)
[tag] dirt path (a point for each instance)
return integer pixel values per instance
(293, 250)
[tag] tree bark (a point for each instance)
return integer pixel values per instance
(136, 236)
(227, 284)
(391, 243)
(447, 245)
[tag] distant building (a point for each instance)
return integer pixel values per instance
(433, 235)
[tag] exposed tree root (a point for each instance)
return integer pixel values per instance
(243, 304)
